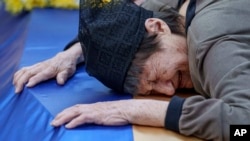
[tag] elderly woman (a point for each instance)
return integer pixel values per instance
(205, 46)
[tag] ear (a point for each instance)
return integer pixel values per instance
(155, 25)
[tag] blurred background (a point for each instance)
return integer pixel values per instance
(18, 6)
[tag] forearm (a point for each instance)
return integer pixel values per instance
(140, 112)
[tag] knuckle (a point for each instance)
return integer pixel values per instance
(29, 73)
(49, 72)
(53, 68)
(22, 70)
(76, 109)
(46, 73)
(34, 79)
(77, 105)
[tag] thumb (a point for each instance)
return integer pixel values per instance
(62, 77)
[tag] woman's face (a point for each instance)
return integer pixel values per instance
(166, 70)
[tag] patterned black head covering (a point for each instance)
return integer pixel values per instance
(110, 32)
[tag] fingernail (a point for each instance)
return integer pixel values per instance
(28, 84)
(61, 81)
(16, 91)
(53, 123)
(67, 126)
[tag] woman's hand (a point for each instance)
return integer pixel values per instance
(142, 112)
(61, 67)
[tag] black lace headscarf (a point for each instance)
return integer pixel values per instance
(110, 32)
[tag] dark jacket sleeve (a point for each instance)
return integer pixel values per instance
(174, 113)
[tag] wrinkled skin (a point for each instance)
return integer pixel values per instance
(61, 66)
(141, 112)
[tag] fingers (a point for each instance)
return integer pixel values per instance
(81, 119)
(32, 76)
(21, 77)
(71, 116)
(16, 83)
(62, 77)
(101, 113)
(40, 77)
(62, 66)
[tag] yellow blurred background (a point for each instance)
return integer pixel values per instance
(18, 6)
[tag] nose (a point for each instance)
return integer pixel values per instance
(166, 88)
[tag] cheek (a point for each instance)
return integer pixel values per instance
(143, 88)
(166, 67)
(189, 84)
(187, 81)
(167, 73)
(166, 88)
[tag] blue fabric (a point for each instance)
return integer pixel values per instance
(27, 117)
(12, 41)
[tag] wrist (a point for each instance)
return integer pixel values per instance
(75, 51)
(147, 112)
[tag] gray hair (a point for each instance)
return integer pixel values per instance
(149, 46)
